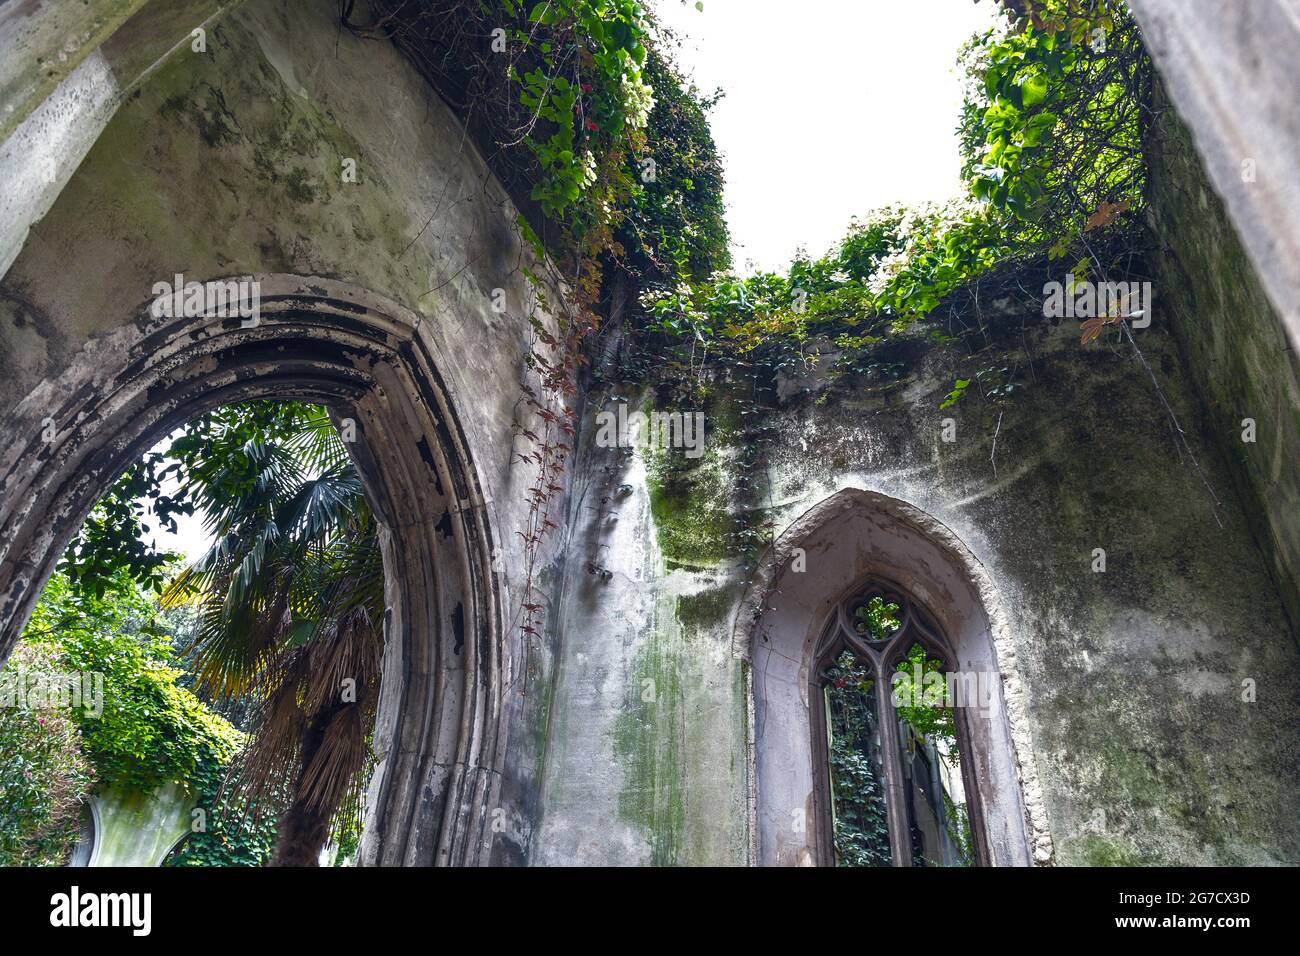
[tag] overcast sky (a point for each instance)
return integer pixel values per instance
(832, 108)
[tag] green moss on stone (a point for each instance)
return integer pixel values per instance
(1096, 850)
(691, 499)
(689, 504)
(298, 185)
(705, 610)
(647, 739)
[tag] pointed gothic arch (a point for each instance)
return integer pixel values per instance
(440, 730)
(803, 579)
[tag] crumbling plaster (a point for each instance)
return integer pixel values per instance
(66, 69)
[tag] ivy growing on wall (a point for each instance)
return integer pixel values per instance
(608, 154)
(232, 835)
(861, 824)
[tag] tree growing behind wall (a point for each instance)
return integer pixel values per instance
(1051, 133)
(291, 600)
(287, 604)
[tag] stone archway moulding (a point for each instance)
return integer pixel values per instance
(440, 733)
(851, 534)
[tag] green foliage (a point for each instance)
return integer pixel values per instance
(572, 102)
(626, 160)
(673, 223)
(112, 538)
(922, 704)
(958, 390)
(290, 601)
(151, 730)
(861, 825)
(295, 546)
(585, 95)
(877, 619)
(1051, 134)
(1052, 122)
(45, 772)
(115, 536)
(235, 835)
(283, 608)
(889, 270)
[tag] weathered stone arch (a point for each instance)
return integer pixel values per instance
(440, 730)
(848, 536)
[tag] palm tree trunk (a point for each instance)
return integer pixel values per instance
(304, 828)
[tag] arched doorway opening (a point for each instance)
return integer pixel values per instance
(828, 559)
(438, 737)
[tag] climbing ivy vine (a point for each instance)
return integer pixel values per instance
(861, 824)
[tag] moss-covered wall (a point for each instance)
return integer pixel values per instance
(1148, 747)
(1236, 349)
(136, 829)
(645, 761)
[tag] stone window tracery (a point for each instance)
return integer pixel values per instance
(888, 741)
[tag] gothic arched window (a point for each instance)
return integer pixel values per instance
(888, 740)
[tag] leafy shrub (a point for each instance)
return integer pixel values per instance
(46, 774)
(151, 731)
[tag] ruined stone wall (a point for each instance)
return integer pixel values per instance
(1237, 351)
(1220, 63)
(232, 161)
(1129, 681)
(1128, 684)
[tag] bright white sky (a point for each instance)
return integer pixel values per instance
(832, 108)
(190, 539)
